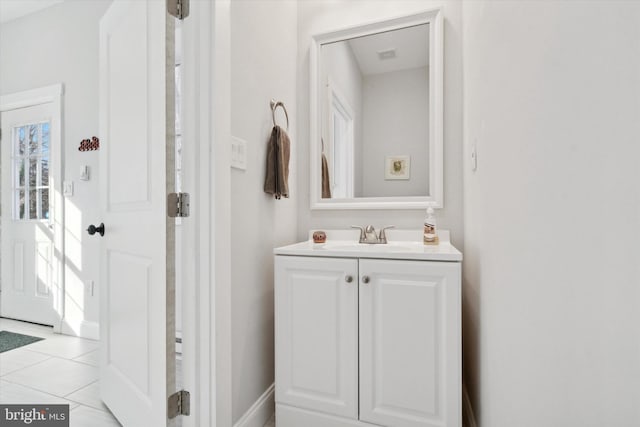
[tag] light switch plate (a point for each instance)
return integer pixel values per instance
(89, 288)
(84, 173)
(238, 153)
(68, 189)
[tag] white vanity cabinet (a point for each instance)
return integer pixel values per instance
(316, 318)
(367, 341)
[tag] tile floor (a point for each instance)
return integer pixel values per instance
(58, 370)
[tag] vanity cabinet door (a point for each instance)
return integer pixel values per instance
(410, 343)
(316, 309)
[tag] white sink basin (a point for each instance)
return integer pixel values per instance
(388, 247)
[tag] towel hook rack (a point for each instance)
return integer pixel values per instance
(275, 105)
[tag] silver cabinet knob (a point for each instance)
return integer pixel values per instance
(365, 279)
(348, 278)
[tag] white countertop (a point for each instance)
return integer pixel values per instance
(402, 244)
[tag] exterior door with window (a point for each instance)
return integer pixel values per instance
(31, 244)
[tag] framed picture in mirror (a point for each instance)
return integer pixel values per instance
(397, 167)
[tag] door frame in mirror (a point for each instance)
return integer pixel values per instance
(435, 198)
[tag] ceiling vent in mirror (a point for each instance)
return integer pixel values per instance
(387, 54)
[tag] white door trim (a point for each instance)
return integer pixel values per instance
(207, 281)
(220, 160)
(196, 346)
(28, 98)
(44, 95)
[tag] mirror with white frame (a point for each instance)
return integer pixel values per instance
(376, 115)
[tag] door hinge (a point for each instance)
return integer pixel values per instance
(178, 8)
(179, 404)
(178, 205)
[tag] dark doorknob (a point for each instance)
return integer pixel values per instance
(93, 229)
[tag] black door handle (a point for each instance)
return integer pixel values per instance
(92, 229)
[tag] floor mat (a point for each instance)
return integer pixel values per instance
(11, 340)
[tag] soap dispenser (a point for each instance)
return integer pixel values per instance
(430, 234)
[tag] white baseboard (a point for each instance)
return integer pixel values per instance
(81, 328)
(260, 411)
(468, 418)
(288, 416)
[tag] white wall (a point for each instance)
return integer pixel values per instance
(263, 46)
(60, 45)
(341, 68)
(395, 122)
(315, 16)
(552, 214)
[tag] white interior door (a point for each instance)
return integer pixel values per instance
(31, 218)
(137, 330)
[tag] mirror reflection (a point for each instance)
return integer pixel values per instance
(375, 115)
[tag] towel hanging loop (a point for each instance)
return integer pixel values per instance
(274, 106)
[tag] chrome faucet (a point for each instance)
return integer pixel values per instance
(368, 234)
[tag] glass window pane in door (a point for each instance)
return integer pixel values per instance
(44, 203)
(45, 138)
(33, 204)
(21, 134)
(33, 172)
(44, 172)
(20, 173)
(33, 139)
(20, 202)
